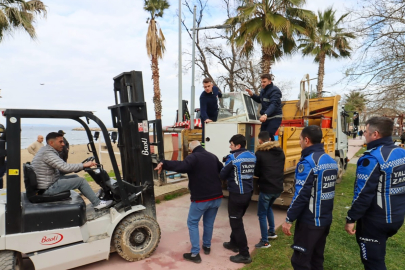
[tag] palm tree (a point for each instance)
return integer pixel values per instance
(273, 25)
(329, 40)
(19, 14)
(155, 46)
(355, 101)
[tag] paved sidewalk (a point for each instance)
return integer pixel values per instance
(172, 217)
(354, 146)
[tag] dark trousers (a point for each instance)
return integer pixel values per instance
(237, 205)
(271, 126)
(309, 245)
(372, 239)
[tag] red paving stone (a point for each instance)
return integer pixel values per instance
(172, 217)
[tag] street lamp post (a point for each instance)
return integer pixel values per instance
(221, 26)
(180, 109)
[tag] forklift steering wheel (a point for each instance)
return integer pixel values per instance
(88, 159)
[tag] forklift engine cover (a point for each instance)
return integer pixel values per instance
(53, 215)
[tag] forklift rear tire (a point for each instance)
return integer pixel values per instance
(341, 170)
(10, 260)
(136, 237)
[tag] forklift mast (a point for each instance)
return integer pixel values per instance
(129, 116)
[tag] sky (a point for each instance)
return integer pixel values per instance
(82, 45)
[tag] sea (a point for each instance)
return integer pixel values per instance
(29, 134)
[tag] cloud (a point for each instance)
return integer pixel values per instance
(82, 45)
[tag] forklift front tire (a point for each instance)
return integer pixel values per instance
(136, 237)
(10, 260)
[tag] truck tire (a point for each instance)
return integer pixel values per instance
(10, 260)
(341, 170)
(136, 237)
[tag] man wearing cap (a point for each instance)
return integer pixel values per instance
(64, 154)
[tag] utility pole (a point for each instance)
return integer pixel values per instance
(180, 109)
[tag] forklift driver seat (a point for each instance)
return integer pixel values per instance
(34, 195)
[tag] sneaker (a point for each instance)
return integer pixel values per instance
(207, 250)
(103, 204)
(262, 244)
(240, 259)
(271, 235)
(191, 258)
(229, 246)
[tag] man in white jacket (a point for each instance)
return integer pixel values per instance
(35, 146)
(47, 166)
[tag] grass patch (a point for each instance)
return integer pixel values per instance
(90, 179)
(360, 152)
(169, 197)
(341, 251)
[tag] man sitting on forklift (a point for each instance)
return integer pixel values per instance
(271, 112)
(47, 166)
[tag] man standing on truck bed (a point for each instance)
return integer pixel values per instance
(209, 104)
(271, 112)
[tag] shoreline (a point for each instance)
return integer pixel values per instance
(94, 129)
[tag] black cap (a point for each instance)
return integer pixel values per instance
(61, 132)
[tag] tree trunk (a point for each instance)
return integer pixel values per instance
(321, 74)
(156, 88)
(266, 62)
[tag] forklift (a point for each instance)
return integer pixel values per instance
(61, 231)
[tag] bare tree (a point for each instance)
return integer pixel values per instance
(379, 68)
(240, 72)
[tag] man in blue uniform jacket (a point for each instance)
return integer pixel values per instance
(379, 193)
(271, 112)
(238, 171)
(209, 104)
(312, 204)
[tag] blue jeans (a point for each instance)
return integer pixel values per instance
(264, 212)
(209, 211)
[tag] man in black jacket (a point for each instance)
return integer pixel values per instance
(209, 104)
(269, 168)
(271, 112)
(204, 184)
(64, 154)
(238, 171)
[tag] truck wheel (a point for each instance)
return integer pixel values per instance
(10, 260)
(340, 170)
(136, 237)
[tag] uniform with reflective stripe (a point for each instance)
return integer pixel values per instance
(238, 171)
(379, 191)
(315, 179)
